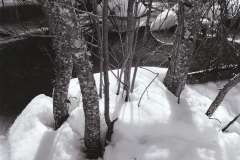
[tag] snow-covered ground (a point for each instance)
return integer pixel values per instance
(160, 129)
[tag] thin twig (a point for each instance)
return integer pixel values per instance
(147, 88)
(215, 119)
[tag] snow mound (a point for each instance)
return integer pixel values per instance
(159, 129)
(162, 129)
(31, 137)
(164, 20)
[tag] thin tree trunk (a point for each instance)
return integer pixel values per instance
(105, 71)
(230, 123)
(221, 42)
(101, 57)
(222, 94)
(99, 35)
(186, 35)
(146, 31)
(129, 48)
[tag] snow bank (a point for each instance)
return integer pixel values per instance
(158, 129)
(32, 138)
(162, 129)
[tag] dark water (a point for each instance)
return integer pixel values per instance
(25, 72)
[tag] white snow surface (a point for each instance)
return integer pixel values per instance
(164, 20)
(160, 129)
(119, 8)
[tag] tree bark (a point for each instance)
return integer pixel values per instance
(90, 104)
(63, 61)
(222, 94)
(186, 35)
(69, 45)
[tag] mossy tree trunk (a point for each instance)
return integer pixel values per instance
(71, 49)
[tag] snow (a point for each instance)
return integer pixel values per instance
(168, 18)
(159, 129)
(233, 8)
(164, 20)
(119, 8)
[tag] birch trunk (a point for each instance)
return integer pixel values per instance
(186, 35)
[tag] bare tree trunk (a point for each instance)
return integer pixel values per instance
(186, 35)
(105, 71)
(99, 35)
(230, 123)
(69, 45)
(222, 94)
(221, 42)
(146, 32)
(129, 48)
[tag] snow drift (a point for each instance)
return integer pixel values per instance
(160, 129)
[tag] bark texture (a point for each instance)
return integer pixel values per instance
(71, 48)
(63, 62)
(184, 44)
(83, 68)
(222, 94)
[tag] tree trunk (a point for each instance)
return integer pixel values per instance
(230, 123)
(186, 35)
(221, 36)
(63, 61)
(129, 48)
(90, 104)
(144, 40)
(105, 71)
(222, 94)
(69, 45)
(99, 37)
